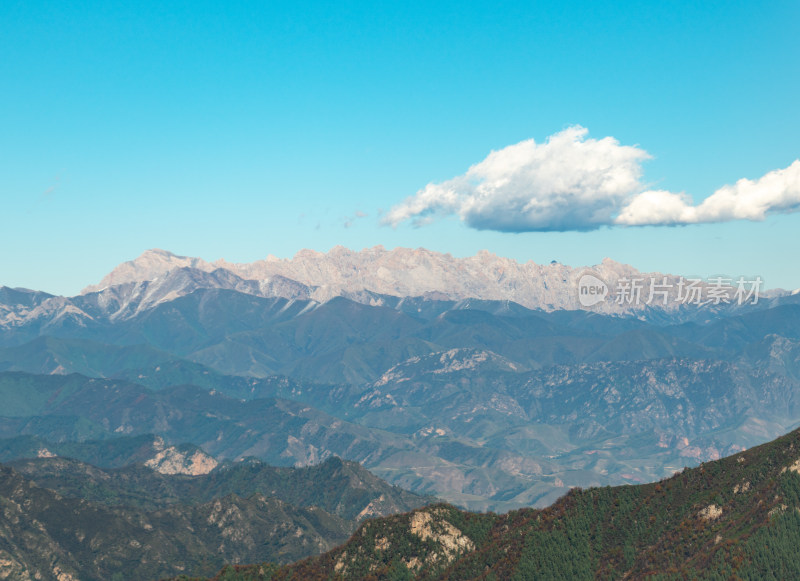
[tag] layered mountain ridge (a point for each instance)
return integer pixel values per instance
(372, 277)
(483, 402)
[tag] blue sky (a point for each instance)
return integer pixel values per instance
(242, 129)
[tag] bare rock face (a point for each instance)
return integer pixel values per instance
(442, 543)
(405, 272)
(445, 362)
(148, 266)
(11, 568)
(452, 541)
(710, 513)
(171, 460)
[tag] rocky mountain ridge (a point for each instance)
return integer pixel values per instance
(405, 272)
(377, 277)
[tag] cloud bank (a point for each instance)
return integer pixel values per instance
(571, 182)
(777, 192)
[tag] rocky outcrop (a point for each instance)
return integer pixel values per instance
(171, 460)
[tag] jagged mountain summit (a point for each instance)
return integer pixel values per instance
(405, 272)
(380, 277)
(399, 272)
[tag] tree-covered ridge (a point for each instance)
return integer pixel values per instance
(46, 536)
(342, 488)
(738, 517)
(64, 519)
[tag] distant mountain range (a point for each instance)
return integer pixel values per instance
(402, 272)
(373, 276)
(465, 379)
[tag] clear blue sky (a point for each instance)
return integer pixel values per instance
(239, 129)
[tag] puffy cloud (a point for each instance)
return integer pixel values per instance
(568, 182)
(657, 207)
(571, 182)
(774, 193)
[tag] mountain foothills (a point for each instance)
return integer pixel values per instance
(65, 519)
(182, 392)
(735, 518)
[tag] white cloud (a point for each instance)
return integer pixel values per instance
(777, 192)
(568, 182)
(657, 207)
(571, 182)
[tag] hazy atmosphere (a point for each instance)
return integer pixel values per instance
(665, 137)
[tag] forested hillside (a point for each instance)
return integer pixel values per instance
(735, 518)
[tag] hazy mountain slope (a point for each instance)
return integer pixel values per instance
(575, 425)
(340, 341)
(278, 431)
(140, 363)
(734, 333)
(113, 452)
(22, 297)
(774, 353)
(99, 314)
(46, 355)
(733, 518)
(465, 425)
(205, 317)
(346, 341)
